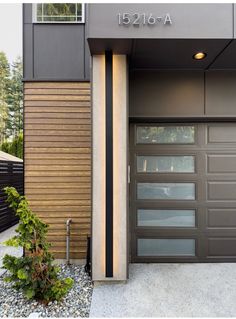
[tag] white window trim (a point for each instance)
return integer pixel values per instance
(34, 12)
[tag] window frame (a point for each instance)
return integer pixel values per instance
(34, 18)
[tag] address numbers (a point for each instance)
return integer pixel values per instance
(137, 19)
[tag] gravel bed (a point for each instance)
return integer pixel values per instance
(75, 304)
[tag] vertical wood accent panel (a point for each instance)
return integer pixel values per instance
(58, 160)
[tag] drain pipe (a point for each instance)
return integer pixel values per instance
(68, 223)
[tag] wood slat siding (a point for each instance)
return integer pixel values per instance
(58, 160)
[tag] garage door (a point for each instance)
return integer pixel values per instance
(183, 192)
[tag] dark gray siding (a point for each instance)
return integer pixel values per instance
(183, 94)
(54, 51)
(58, 51)
(221, 93)
(166, 93)
(190, 21)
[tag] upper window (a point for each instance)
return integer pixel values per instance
(59, 13)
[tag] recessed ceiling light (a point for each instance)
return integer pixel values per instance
(199, 55)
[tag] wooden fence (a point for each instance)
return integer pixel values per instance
(11, 174)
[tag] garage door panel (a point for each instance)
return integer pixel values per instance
(165, 205)
(221, 218)
(140, 150)
(220, 178)
(223, 247)
(165, 259)
(219, 232)
(164, 148)
(169, 234)
(219, 204)
(222, 133)
(154, 177)
(222, 190)
(221, 163)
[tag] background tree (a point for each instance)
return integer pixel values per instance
(11, 106)
(15, 100)
(4, 84)
(14, 147)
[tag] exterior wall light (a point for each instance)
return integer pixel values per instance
(199, 55)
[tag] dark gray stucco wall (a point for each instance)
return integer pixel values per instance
(54, 51)
(196, 94)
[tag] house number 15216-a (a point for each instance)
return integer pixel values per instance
(137, 19)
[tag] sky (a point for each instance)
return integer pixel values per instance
(11, 30)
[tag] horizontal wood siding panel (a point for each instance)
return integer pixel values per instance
(56, 109)
(60, 209)
(58, 144)
(57, 138)
(57, 103)
(43, 156)
(61, 133)
(57, 85)
(56, 97)
(36, 161)
(59, 167)
(69, 121)
(57, 179)
(61, 255)
(58, 160)
(71, 91)
(61, 150)
(58, 115)
(66, 127)
(49, 173)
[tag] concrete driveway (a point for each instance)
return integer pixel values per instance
(169, 290)
(8, 250)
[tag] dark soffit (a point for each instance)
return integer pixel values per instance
(175, 54)
(170, 53)
(227, 59)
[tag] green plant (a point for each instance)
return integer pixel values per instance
(33, 273)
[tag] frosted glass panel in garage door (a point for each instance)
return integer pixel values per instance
(165, 134)
(166, 217)
(166, 247)
(165, 164)
(168, 191)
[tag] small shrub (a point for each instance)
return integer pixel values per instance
(33, 273)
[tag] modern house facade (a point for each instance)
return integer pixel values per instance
(130, 131)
